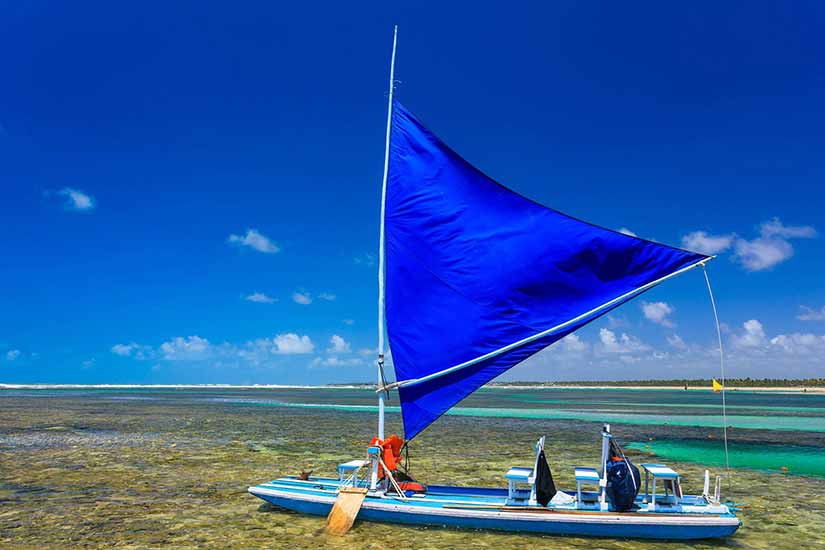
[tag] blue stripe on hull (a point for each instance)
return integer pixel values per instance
(673, 532)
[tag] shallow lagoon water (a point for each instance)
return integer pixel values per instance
(793, 459)
(151, 468)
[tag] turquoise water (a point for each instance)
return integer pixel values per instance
(765, 422)
(766, 430)
(791, 459)
(168, 467)
(715, 407)
(779, 432)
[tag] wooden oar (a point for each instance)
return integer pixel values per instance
(346, 507)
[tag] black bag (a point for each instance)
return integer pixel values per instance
(623, 481)
(545, 487)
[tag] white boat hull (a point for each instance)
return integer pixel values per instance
(479, 508)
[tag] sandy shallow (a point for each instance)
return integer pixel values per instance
(172, 472)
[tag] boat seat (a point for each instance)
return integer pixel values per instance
(526, 476)
(584, 475)
(520, 475)
(348, 468)
(515, 476)
(670, 480)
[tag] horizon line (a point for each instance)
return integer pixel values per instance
(675, 382)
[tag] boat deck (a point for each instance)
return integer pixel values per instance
(446, 495)
(490, 508)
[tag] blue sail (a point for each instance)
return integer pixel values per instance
(480, 278)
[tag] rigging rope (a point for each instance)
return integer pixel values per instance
(722, 367)
(382, 379)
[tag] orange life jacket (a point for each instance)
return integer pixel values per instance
(390, 453)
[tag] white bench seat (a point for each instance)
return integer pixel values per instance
(520, 475)
(347, 468)
(587, 474)
(669, 478)
(515, 476)
(526, 476)
(661, 471)
(584, 475)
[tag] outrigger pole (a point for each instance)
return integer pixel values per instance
(381, 381)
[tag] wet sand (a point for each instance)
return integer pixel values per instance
(171, 471)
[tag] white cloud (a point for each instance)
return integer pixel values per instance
(772, 246)
(658, 312)
(781, 350)
(124, 350)
(190, 348)
(77, 200)
(290, 343)
(627, 231)
(810, 314)
(623, 344)
(133, 349)
(255, 240)
(12, 354)
(608, 339)
(349, 322)
(617, 321)
(704, 243)
(752, 336)
(367, 259)
(573, 343)
(800, 344)
(749, 351)
(760, 254)
(260, 298)
(677, 342)
(262, 352)
(775, 228)
(88, 363)
(327, 296)
(339, 345)
(335, 361)
(303, 298)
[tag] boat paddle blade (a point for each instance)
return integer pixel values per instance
(346, 507)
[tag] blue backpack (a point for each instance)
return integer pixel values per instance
(623, 481)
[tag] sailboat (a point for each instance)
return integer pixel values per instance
(473, 279)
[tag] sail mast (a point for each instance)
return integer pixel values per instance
(381, 244)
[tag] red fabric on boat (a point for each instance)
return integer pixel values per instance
(391, 452)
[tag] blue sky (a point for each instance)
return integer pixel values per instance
(190, 192)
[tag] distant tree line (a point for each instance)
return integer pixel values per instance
(681, 382)
(676, 382)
